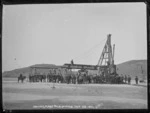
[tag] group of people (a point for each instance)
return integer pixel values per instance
(79, 78)
(127, 79)
(37, 78)
(52, 76)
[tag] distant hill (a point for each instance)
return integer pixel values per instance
(25, 71)
(133, 68)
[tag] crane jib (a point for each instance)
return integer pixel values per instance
(80, 66)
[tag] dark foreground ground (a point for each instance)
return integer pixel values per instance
(72, 96)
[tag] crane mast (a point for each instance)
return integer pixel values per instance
(107, 58)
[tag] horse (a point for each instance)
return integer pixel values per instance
(21, 78)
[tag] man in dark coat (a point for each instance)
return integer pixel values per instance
(136, 80)
(72, 63)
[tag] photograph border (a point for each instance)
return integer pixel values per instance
(25, 2)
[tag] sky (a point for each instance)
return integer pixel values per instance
(58, 33)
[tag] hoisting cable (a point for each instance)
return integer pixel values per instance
(89, 52)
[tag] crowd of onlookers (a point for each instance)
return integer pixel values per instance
(78, 78)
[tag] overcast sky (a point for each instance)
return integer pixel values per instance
(58, 33)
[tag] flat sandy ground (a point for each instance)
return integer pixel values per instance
(72, 96)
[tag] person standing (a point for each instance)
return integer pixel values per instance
(122, 79)
(136, 80)
(129, 79)
(29, 77)
(125, 79)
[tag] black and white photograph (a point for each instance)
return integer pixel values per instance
(74, 56)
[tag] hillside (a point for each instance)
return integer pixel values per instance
(133, 68)
(25, 71)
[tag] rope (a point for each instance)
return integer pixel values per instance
(89, 57)
(89, 52)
